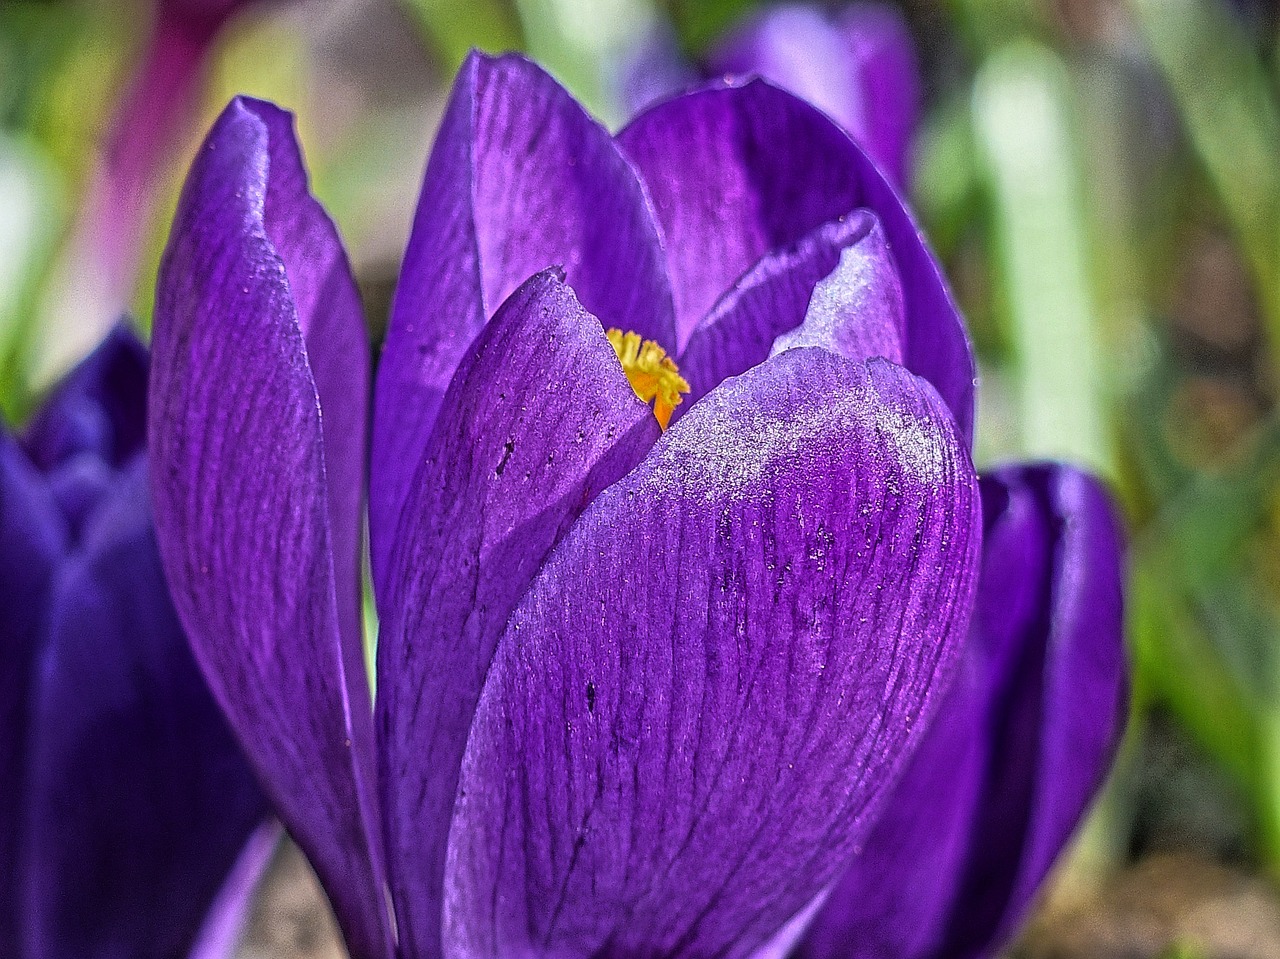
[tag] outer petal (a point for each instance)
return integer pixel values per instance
(332, 322)
(100, 408)
(696, 709)
(539, 418)
(738, 170)
(33, 538)
(1019, 746)
(139, 799)
(840, 282)
(520, 179)
(244, 511)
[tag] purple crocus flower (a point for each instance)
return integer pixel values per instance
(124, 799)
(641, 691)
(859, 65)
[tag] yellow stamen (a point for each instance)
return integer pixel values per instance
(652, 374)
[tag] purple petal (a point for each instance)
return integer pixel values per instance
(244, 512)
(332, 322)
(841, 277)
(1020, 745)
(765, 302)
(695, 711)
(895, 898)
(858, 310)
(1062, 707)
(538, 419)
(520, 179)
(139, 799)
(33, 538)
(100, 408)
(738, 170)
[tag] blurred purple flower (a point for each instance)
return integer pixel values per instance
(859, 65)
(639, 692)
(124, 799)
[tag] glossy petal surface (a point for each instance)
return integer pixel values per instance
(837, 289)
(243, 512)
(33, 538)
(1018, 747)
(539, 419)
(139, 800)
(520, 179)
(738, 170)
(676, 752)
(857, 311)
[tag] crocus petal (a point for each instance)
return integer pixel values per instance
(695, 711)
(332, 322)
(736, 170)
(33, 538)
(139, 799)
(538, 419)
(1019, 746)
(239, 463)
(894, 900)
(99, 409)
(1062, 711)
(857, 313)
(520, 179)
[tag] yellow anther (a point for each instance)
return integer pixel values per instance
(652, 374)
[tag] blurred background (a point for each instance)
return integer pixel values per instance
(1101, 179)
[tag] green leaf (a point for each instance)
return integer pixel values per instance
(1230, 112)
(1023, 124)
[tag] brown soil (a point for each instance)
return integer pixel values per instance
(1166, 906)
(292, 919)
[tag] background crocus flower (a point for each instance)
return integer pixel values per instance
(639, 692)
(124, 800)
(858, 64)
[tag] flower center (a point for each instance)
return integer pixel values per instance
(652, 374)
